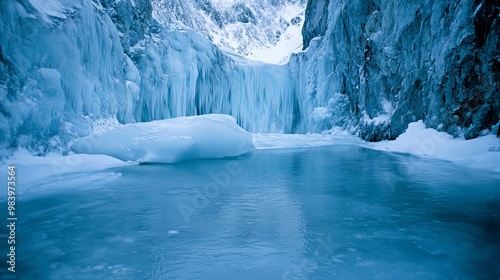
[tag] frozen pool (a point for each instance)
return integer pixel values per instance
(338, 212)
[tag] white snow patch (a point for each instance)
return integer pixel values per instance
(49, 8)
(104, 124)
(33, 170)
(289, 42)
(319, 114)
(482, 152)
(224, 3)
(387, 106)
(380, 119)
(171, 140)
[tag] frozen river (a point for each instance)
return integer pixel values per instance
(338, 212)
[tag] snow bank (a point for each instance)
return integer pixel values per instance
(33, 170)
(482, 152)
(171, 140)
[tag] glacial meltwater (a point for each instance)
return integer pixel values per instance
(337, 212)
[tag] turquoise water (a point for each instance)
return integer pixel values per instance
(339, 212)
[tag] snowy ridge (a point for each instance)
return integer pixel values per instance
(266, 30)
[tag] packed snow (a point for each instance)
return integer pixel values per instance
(171, 140)
(482, 152)
(35, 170)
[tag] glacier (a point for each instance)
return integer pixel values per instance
(368, 67)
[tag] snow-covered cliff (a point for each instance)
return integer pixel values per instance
(379, 65)
(264, 30)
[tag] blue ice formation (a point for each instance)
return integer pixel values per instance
(170, 140)
(370, 67)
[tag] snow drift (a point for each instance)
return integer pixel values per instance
(418, 140)
(172, 140)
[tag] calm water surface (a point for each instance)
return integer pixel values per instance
(339, 212)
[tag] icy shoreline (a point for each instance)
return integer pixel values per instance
(481, 153)
(34, 170)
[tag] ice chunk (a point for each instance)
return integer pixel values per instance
(171, 140)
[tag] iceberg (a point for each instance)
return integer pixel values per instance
(171, 140)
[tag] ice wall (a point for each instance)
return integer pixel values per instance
(65, 64)
(184, 74)
(60, 64)
(380, 64)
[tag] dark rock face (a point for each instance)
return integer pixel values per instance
(316, 20)
(132, 21)
(400, 61)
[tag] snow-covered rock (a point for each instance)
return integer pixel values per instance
(263, 30)
(400, 61)
(172, 140)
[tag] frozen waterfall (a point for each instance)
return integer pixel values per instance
(66, 64)
(183, 74)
